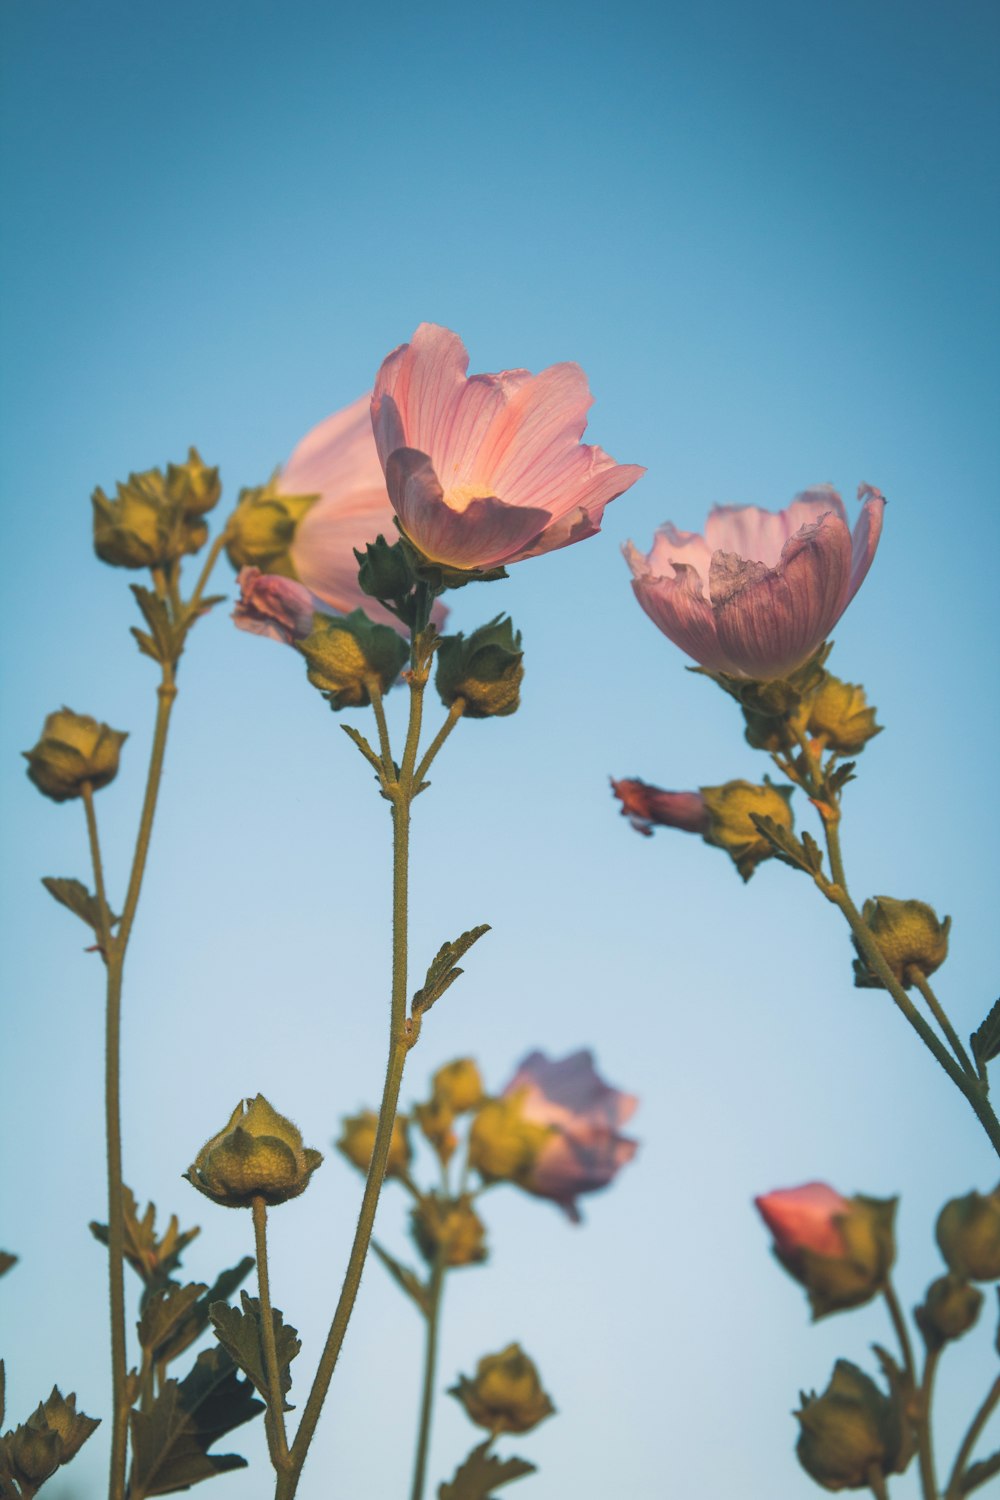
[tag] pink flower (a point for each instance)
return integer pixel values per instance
(805, 1218)
(584, 1150)
(276, 607)
(776, 584)
(645, 805)
(488, 470)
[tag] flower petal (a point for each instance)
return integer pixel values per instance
(867, 531)
(678, 607)
(337, 457)
(483, 535)
(759, 535)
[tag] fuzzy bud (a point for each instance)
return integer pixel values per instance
(146, 526)
(485, 670)
(839, 716)
(968, 1233)
(850, 1430)
(74, 749)
(357, 1142)
(261, 529)
(345, 653)
(448, 1228)
(384, 571)
(505, 1394)
(259, 1154)
(910, 938)
(53, 1434)
(504, 1144)
(459, 1085)
(840, 1249)
(730, 826)
(435, 1120)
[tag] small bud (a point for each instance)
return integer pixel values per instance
(840, 1249)
(384, 571)
(774, 732)
(435, 1120)
(950, 1309)
(505, 1394)
(459, 1085)
(910, 937)
(73, 750)
(968, 1233)
(504, 1144)
(259, 1154)
(357, 1142)
(484, 669)
(345, 652)
(193, 487)
(730, 826)
(53, 1434)
(449, 1228)
(839, 716)
(851, 1429)
(261, 529)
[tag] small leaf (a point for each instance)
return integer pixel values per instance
(170, 1441)
(6, 1261)
(154, 1260)
(786, 847)
(364, 747)
(73, 894)
(197, 1320)
(442, 972)
(239, 1334)
(978, 1473)
(405, 1278)
(985, 1040)
(164, 1311)
(838, 779)
(481, 1473)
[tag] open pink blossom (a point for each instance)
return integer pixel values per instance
(645, 805)
(486, 470)
(757, 594)
(805, 1218)
(584, 1150)
(276, 607)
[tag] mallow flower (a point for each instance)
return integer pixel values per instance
(840, 1249)
(758, 592)
(486, 470)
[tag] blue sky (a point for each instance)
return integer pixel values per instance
(769, 234)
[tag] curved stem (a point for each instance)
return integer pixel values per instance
(976, 1426)
(378, 707)
(211, 558)
(937, 1010)
(276, 1400)
(430, 1368)
(901, 1330)
(925, 1436)
(455, 712)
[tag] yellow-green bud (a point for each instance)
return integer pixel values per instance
(850, 1430)
(357, 1142)
(485, 670)
(145, 525)
(838, 714)
(52, 1435)
(449, 1228)
(74, 749)
(503, 1145)
(261, 529)
(193, 487)
(950, 1309)
(968, 1233)
(909, 936)
(459, 1084)
(730, 824)
(435, 1120)
(505, 1394)
(259, 1154)
(345, 653)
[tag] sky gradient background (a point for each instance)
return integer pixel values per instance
(769, 234)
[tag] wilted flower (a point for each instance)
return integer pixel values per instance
(645, 805)
(273, 606)
(488, 470)
(74, 750)
(840, 1249)
(851, 1429)
(357, 1142)
(259, 1154)
(756, 595)
(505, 1394)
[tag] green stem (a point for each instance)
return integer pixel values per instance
(937, 1010)
(276, 1400)
(375, 694)
(901, 1330)
(103, 910)
(430, 1368)
(992, 1398)
(211, 558)
(925, 1436)
(455, 712)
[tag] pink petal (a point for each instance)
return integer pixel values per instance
(483, 535)
(572, 1087)
(337, 457)
(803, 1218)
(278, 608)
(679, 608)
(645, 805)
(867, 531)
(760, 535)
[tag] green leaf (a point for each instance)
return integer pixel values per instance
(154, 1260)
(197, 1320)
(364, 747)
(6, 1261)
(838, 779)
(978, 1474)
(405, 1278)
(73, 894)
(801, 856)
(442, 972)
(481, 1473)
(170, 1441)
(985, 1040)
(165, 1310)
(239, 1334)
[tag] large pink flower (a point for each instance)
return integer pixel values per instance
(758, 592)
(488, 470)
(584, 1151)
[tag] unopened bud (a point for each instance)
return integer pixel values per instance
(357, 1142)
(193, 487)
(850, 1430)
(840, 1249)
(505, 1394)
(435, 1120)
(346, 654)
(74, 749)
(909, 936)
(52, 1435)
(968, 1233)
(839, 716)
(950, 1309)
(384, 571)
(261, 529)
(731, 827)
(259, 1154)
(504, 1145)
(146, 526)
(459, 1085)
(484, 669)
(449, 1230)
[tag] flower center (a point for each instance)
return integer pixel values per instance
(461, 496)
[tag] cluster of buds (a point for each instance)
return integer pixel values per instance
(258, 1154)
(156, 517)
(53, 1434)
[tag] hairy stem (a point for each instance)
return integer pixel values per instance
(901, 1330)
(937, 1010)
(455, 712)
(276, 1400)
(430, 1369)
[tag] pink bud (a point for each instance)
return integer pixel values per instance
(804, 1218)
(276, 607)
(644, 805)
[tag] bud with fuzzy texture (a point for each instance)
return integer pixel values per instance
(345, 653)
(949, 1310)
(910, 938)
(74, 749)
(968, 1233)
(261, 529)
(259, 1154)
(505, 1394)
(840, 1249)
(839, 716)
(357, 1142)
(731, 827)
(193, 486)
(459, 1085)
(484, 670)
(449, 1228)
(852, 1429)
(53, 1434)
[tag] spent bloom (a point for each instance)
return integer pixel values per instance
(840, 1249)
(486, 470)
(645, 805)
(273, 606)
(757, 594)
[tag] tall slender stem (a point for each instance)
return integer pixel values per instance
(901, 1330)
(925, 1436)
(976, 1426)
(430, 1369)
(211, 558)
(276, 1398)
(937, 1010)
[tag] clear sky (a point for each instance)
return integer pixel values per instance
(769, 234)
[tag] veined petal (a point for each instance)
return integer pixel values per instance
(336, 457)
(679, 608)
(867, 531)
(524, 452)
(483, 535)
(759, 535)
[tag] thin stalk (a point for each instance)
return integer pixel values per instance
(103, 910)
(276, 1400)
(937, 1010)
(925, 1436)
(970, 1440)
(378, 707)
(877, 1483)
(455, 712)
(211, 558)
(901, 1331)
(430, 1369)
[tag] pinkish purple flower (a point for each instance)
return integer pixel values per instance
(276, 607)
(644, 804)
(757, 594)
(584, 1150)
(486, 470)
(805, 1218)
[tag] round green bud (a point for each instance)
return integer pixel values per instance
(838, 714)
(910, 938)
(730, 808)
(850, 1430)
(346, 654)
(459, 1084)
(74, 749)
(448, 1228)
(968, 1233)
(505, 1394)
(357, 1142)
(261, 529)
(485, 670)
(259, 1154)
(949, 1310)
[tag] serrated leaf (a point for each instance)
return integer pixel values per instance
(170, 1442)
(197, 1319)
(146, 644)
(482, 1473)
(74, 895)
(154, 1260)
(405, 1278)
(239, 1333)
(838, 779)
(6, 1261)
(813, 852)
(363, 746)
(978, 1473)
(165, 1310)
(786, 847)
(442, 971)
(985, 1040)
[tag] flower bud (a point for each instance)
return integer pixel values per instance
(949, 1310)
(345, 652)
(910, 937)
(74, 749)
(53, 1434)
(383, 570)
(730, 826)
(504, 1144)
(459, 1085)
(435, 1120)
(357, 1142)
(449, 1228)
(193, 487)
(645, 805)
(505, 1394)
(258, 1155)
(840, 1249)
(271, 605)
(484, 670)
(839, 716)
(968, 1233)
(851, 1429)
(144, 526)
(261, 529)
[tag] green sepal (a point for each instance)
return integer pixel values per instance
(484, 669)
(408, 1280)
(801, 854)
(985, 1040)
(6, 1261)
(442, 972)
(74, 895)
(239, 1333)
(482, 1473)
(170, 1441)
(439, 576)
(153, 1260)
